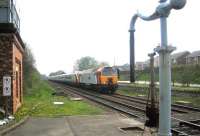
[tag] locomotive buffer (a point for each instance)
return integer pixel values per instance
(152, 111)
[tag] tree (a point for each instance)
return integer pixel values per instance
(103, 63)
(187, 75)
(86, 63)
(28, 66)
(28, 60)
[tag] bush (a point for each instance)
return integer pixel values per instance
(30, 73)
(185, 74)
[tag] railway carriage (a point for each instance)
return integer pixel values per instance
(70, 79)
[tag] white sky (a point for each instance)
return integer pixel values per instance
(61, 31)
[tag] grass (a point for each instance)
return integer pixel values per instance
(39, 103)
(130, 93)
(195, 101)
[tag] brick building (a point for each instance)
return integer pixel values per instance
(11, 55)
(179, 58)
(140, 66)
(193, 58)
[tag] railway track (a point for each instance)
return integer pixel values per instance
(119, 106)
(186, 128)
(135, 107)
(143, 100)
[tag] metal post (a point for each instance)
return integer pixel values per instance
(165, 81)
(152, 82)
(165, 84)
(152, 111)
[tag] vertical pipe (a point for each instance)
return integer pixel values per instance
(152, 85)
(165, 83)
(132, 56)
(163, 25)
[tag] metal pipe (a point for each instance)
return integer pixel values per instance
(162, 12)
(165, 83)
(163, 28)
(152, 82)
(132, 57)
(132, 48)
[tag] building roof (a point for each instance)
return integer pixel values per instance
(194, 54)
(179, 54)
(139, 62)
(123, 68)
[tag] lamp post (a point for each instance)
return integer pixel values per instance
(162, 11)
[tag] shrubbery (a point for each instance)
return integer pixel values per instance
(185, 74)
(30, 74)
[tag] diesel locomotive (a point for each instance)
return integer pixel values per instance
(103, 79)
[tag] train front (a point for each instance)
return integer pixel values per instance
(107, 79)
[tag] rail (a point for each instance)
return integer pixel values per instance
(192, 126)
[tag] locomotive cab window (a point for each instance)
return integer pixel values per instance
(114, 71)
(107, 71)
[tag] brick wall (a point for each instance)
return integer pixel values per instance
(11, 64)
(18, 82)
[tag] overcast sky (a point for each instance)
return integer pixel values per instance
(61, 31)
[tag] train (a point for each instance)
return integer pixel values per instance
(102, 79)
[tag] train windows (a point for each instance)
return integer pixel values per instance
(107, 71)
(114, 71)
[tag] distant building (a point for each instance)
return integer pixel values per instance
(124, 72)
(179, 58)
(140, 66)
(123, 68)
(193, 58)
(176, 58)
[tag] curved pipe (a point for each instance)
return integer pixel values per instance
(133, 20)
(162, 10)
(155, 15)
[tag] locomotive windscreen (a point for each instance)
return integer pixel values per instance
(109, 71)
